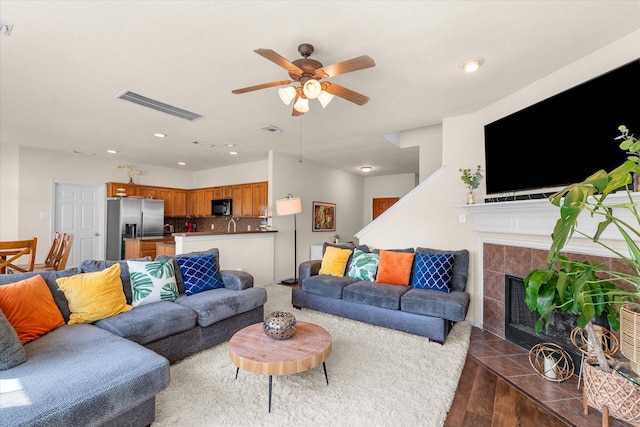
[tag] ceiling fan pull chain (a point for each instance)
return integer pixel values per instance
(300, 160)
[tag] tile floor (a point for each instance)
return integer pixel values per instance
(511, 362)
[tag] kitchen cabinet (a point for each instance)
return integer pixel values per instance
(136, 248)
(247, 198)
(179, 203)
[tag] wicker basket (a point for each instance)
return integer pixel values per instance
(630, 335)
(611, 394)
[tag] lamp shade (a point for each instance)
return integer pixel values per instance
(302, 105)
(312, 88)
(287, 94)
(325, 98)
(289, 206)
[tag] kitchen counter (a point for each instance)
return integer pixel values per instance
(222, 233)
(165, 238)
(251, 251)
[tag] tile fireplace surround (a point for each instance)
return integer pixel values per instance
(513, 254)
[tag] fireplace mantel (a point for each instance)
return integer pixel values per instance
(538, 217)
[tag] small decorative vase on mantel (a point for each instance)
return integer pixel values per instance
(471, 197)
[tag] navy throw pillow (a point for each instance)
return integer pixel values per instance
(200, 273)
(433, 271)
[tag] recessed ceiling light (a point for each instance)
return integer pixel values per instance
(472, 64)
(112, 151)
(233, 153)
(160, 135)
(366, 168)
(229, 145)
(182, 163)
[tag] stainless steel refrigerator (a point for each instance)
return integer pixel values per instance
(137, 218)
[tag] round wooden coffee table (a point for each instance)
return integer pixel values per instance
(253, 351)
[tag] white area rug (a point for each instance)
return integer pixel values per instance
(377, 377)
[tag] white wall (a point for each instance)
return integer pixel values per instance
(229, 175)
(430, 218)
(312, 182)
(385, 186)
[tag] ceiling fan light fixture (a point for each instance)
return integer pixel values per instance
(287, 94)
(325, 98)
(312, 88)
(301, 105)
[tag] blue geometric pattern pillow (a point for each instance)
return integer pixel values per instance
(200, 273)
(363, 266)
(433, 271)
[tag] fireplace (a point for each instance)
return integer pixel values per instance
(519, 325)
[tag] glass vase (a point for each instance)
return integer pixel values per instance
(471, 197)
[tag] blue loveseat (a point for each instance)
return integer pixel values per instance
(108, 373)
(424, 312)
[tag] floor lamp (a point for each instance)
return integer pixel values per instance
(291, 206)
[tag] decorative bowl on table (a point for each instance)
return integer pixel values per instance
(279, 325)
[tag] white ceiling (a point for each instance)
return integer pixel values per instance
(65, 62)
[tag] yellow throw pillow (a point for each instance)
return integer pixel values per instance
(334, 261)
(94, 296)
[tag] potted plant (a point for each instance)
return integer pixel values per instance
(578, 286)
(472, 180)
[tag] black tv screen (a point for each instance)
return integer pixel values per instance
(566, 138)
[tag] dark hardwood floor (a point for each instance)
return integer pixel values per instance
(498, 388)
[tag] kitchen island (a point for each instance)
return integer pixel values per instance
(250, 251)
(139, 247)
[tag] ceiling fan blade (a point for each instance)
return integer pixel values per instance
(345, 93)
(280, 60)
(355, 64)
(262, 86)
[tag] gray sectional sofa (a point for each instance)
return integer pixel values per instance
(423, 312)
(108, 373)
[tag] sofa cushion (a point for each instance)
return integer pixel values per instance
(334, 261)
(150, 322)
(50, 278)
(29, 308)
(218, 304)
(460, 266)
(200, 273)
(92, 266)
(81, 375)
(11, 350)
(363, 265)
(376, 294)
(94, 296)
(394, 267)
(179, 279)
(428, 302)
(328, 286)
(152, 281)
(432, 271)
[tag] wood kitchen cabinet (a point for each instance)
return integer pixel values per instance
(179, 203)
(259, 197)
(236, 196)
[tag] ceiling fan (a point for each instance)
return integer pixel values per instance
(308, 72)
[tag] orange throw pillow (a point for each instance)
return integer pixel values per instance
(394, 268)
(30, 308)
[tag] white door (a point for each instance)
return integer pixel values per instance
(79, 209)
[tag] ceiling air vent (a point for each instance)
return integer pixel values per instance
(271, 129)
(158, 106)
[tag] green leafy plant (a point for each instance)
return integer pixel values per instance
(471, 179)
(578, 286)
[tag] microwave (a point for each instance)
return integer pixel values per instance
(221, 207)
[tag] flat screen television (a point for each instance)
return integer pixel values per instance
(565, 138)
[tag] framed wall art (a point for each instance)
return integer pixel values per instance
(324, 216)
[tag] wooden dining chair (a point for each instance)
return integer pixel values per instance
(53, 252)
(60, 261)
(12, 250)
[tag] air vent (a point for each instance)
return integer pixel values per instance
(271, 128)
(158, 106)
(203, 144)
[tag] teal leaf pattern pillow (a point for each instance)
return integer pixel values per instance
(200, 273)
(363, 266)
(433, 271)
(152, 281)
